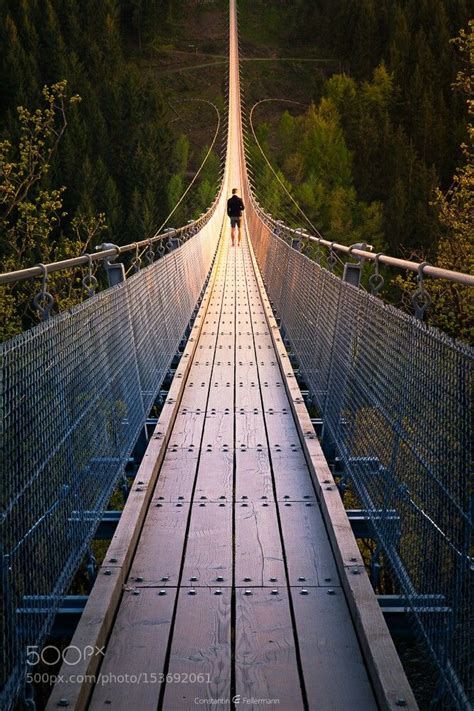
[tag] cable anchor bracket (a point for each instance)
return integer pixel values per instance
(89, 282)
(44, 301)
(421, 300)
(376, 280)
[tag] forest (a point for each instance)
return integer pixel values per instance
(110, 160)
(375, 156)
(372, 158)
(115, 156)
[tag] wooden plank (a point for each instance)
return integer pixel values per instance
(75, 683)
(247, 392)
(268, 367)
(187, 429)
(219, 427)
(157, 561)
(258, 317)
(246, 368)
(243, 319)
(258, 551)
(221, 395)
(253, 476)
(200, 369)
(196, 393)
(265, 657)
(250, 428)
(208, 557)
(334, 671)
(198, 384)
(262, 335)
(281, 426)
(225, 363)
(215, 475)
(291, 475)
(177, 475)
(263, 349)
(309, 556)
(200, 660)
(273, 392)
(135, 652)
(225, 343)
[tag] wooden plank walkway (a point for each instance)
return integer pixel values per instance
(233, 590)
(233, 578)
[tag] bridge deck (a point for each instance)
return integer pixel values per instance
(233, 588)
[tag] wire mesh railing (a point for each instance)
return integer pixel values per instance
(394, 395)
(75, 393)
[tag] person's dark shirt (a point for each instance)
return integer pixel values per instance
(235, 206)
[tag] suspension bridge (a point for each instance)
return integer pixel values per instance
(233, 576)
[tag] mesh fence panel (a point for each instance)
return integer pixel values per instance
(75, 392)
(394, 395)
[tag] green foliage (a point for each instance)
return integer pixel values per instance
(323, 147)
(314, 164)
(209, 182)
(453, 308)
(118, 140)
(175, 189)
(31, 212)
(374, 159)
(144, 16)
(180, 155)
(115, 156)
(401, 122)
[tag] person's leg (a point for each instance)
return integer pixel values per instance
(232, 231)
(239, 232)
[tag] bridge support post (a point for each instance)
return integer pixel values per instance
(297, 240)
(375, 566)
(353, 270)
(115, 272)
(124, 488)
(327, 443)
(173, 241)
(91, 568)
(141, 444)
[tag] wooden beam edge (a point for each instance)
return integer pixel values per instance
(386, 672)
(96, 622)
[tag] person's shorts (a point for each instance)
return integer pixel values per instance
(235, 221)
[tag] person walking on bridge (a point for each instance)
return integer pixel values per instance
(234, 210)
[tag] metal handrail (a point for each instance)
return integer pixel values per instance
(30, 272)
(428, 269)
(39, 270)
(404, 264)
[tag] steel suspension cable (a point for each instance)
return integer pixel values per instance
(298, 207)
(216, 133)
